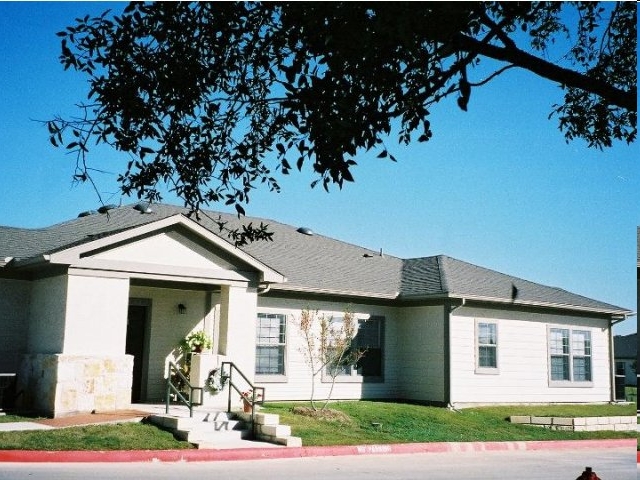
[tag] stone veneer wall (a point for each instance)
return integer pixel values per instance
(58, 385)
(580, 424)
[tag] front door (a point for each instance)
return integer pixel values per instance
(136, 326)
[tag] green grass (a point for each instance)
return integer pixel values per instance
(402, 423)
(16, 418)
(631, 394)
(125, 436)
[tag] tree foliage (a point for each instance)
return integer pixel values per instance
(215, 99)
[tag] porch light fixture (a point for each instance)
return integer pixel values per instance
(182, 308)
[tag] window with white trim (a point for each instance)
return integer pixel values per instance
(487, 347)
(569, 355)
(271, 337)
(370, 338)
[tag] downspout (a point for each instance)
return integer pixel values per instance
(264, 290)
(447, 352)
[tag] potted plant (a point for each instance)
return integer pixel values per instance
(248, 397)
(196, 342)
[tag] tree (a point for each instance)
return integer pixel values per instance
(328, 347)
(215, 99)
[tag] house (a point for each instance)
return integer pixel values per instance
(92, 310)
(626, 356)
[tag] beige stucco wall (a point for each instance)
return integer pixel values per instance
(238, 313)
(47, 315)
(14, 319)
(96, 315)
(523, 364)
(167, 248)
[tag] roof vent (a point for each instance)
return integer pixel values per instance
(106, 208)
(143, 207)
(305, 231)
(86, 213)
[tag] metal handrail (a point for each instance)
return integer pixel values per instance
(256, 398)
(188, 402)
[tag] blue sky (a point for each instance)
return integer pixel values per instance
(497, 186)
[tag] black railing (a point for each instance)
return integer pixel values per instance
(251, 395)
(174, 371)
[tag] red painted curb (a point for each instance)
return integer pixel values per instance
(29, 456)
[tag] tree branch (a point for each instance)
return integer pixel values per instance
(564, 76)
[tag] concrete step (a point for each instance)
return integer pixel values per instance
(202, 435)
(218, 430)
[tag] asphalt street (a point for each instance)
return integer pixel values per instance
(609, 464)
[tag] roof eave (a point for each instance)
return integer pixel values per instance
(330, 291)
(614, 312)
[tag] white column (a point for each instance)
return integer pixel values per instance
(238, 312)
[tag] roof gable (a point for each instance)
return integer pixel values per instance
(168, 247)
(174, 242)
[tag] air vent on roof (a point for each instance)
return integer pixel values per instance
(86, 213)
(143, 207)
(305, 231)
(106, 208)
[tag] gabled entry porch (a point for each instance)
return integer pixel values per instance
(111, 314)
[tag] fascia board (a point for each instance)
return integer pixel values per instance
(562, 306)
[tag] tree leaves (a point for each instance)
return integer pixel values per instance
(210, 98)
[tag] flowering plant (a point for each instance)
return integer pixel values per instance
(247, 396)
(215, 382)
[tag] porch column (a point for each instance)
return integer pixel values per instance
(238, 312)
(76, 360)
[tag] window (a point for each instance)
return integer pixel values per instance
(487, 344)
(270, 344)
(369, 337)
(569, 355)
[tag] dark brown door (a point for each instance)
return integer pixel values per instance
(136, 326)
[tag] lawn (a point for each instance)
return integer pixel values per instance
(631, 394)
(124, 436)
(382, 422)
(362, 422)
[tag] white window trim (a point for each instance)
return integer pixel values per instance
(571, 383)
(355, 377)
(486, 370)
(275, 378)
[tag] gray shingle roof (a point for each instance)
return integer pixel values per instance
(626, 346)
(317, 263)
